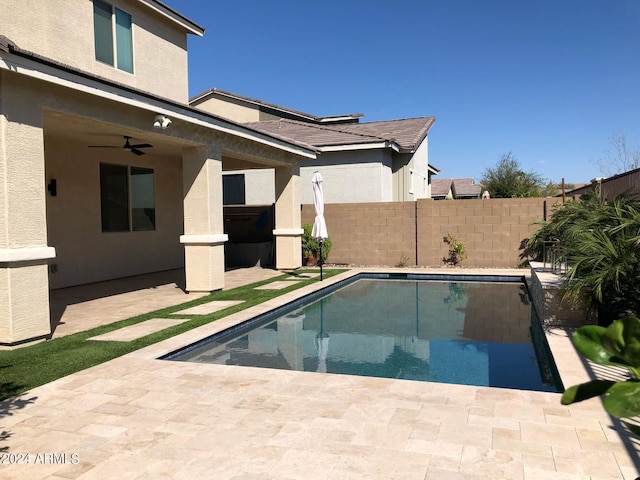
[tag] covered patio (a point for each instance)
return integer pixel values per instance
(84, 206)
(80, 308)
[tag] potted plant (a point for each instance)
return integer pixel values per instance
(311, 247)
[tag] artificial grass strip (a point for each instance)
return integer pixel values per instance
(29, 367)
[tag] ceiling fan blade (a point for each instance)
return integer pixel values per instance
(127, 146)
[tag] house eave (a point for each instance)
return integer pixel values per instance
(358, 146)
(39, 68)
(174, 16)
(273, 108)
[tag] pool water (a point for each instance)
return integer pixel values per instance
(471, 333)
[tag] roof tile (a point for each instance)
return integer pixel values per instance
(406, 133)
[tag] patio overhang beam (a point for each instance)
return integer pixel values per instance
(48, 71)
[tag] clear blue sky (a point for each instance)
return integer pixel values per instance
(548, 80)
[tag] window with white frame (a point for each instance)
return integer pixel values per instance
(112, 36)
(127, 198)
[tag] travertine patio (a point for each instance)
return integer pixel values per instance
(141, 418)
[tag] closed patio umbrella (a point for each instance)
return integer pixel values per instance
(319, 230)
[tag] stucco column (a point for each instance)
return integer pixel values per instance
(288, 233)
(24, 281)
(204, 236)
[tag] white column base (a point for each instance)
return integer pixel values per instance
(288, 248)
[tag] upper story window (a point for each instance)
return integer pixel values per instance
(112, 36)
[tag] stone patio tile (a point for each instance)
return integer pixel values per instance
(537, 474)
(494, 463)
(382, 463)
(595, 464)
(553, 435)
(211, 307)
(382, 435)
(139, 330)
(467, 435)
(442, 473)
(538, 462)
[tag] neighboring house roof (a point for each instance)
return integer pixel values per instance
(402, 135)
(275, 109)
(440, 187)
(625, 182)
(455, 188)
(465, 188)
(157, 104)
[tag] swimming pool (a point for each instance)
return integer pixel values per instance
(439, 329)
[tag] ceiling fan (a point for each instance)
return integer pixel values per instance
(127, 146)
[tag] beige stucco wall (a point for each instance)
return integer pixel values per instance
(63, 30)
(350, 176)
(229, 108)
(410, 174)
(24, 301)
(85, 254)
(258, 185)
(420, 166)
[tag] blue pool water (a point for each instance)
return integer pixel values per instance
(463, 332)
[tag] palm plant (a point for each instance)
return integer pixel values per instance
(601, 244)
(585, 213)
(604, 255)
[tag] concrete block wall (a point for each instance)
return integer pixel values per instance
(369, 233)
(492, 230)
(412, 233)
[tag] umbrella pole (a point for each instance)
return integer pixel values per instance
(320, 262)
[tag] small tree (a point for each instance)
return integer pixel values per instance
(508, 180)
(621, 158)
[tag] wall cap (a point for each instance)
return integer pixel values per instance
(213, 239)
(26, 254)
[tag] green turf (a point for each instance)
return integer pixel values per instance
(28, 367)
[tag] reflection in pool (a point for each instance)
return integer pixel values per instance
(472, 333)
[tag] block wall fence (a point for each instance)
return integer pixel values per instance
(412, 233)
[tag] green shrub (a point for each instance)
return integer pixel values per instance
(600, 241)
(457, 250)
(311, 246)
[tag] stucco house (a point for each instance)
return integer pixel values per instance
(106, 170)
(383, 161)
(456, 188)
